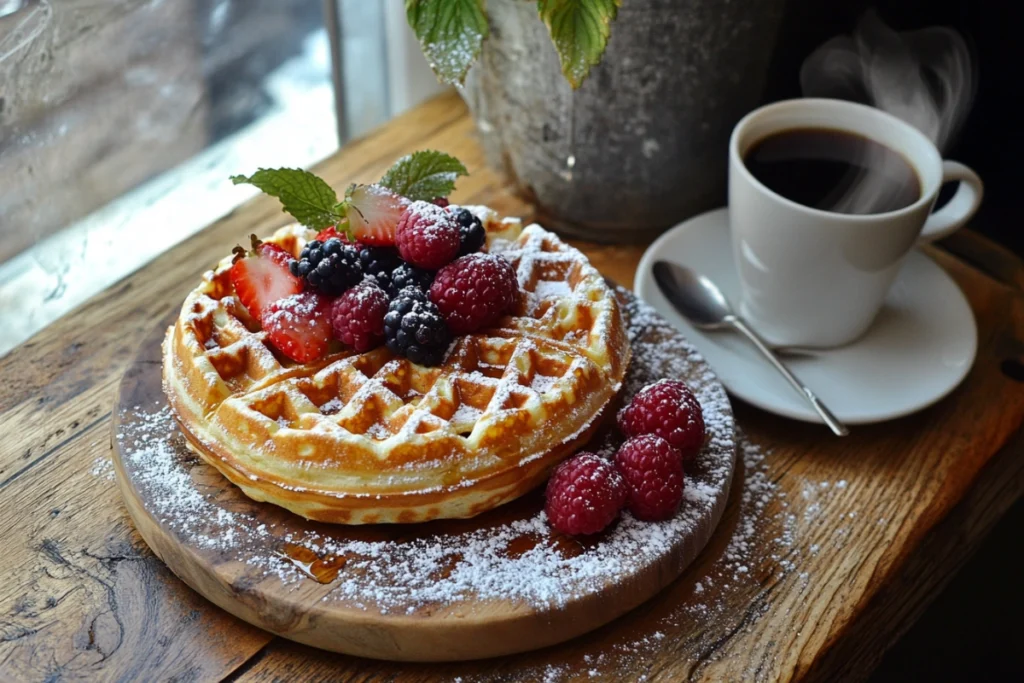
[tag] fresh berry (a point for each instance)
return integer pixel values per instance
(474, 291)
(407, 275)
(654, 472)
(331, 266)
(471, 231)
(584, 495)
(414, 328)
(260, 276)
(427, 236)
(300, 326)
(358, 316)
(441, 201)
(373, 214)
(669, 409)
(331, 231)
(379, 263)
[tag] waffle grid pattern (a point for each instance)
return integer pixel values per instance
(376, 424)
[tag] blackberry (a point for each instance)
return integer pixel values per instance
(378, 263)
(408, 275)
(471, 232)
(331, 266)
(414, 328)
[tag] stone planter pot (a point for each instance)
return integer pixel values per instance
(642, 144)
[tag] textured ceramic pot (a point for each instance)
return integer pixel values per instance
(643, 143)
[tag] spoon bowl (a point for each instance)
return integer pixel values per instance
(694, 295)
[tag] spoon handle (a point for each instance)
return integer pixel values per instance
(837, 427)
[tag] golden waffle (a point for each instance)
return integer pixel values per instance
(372, 437)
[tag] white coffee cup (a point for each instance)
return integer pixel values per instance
(818, 278)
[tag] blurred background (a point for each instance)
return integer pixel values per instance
(121, 120)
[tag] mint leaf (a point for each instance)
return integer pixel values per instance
(579, 29)
(309, 200)
(450, 32)
(425, 175)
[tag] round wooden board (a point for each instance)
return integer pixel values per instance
(496, 584)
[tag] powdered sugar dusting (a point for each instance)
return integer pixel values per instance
(102, 468)
(402, 575)
(701, 608)
(434, 220)
(541, 383)
(515, 557)
(552, 289)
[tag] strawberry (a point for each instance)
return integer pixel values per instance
(300, 326)
(332, 231)
(327, 233)
(260, 276)
(373, 212)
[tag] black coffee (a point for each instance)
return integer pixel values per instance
(833, 170)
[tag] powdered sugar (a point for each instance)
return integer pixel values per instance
(433, 221)
(512, 557)
(332, 406)
(102, 468)
(466, 414)
(515, 557)
(552, 289)
(541, 383)
(293, 311)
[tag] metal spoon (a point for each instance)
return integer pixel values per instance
(701, 302)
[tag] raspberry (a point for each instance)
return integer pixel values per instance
(474, 291)
(441, 201)
(471, 231)
(654, 472)
(669, 409)
(357, 316)
(584, 495)
(427, 236)
(415, 329)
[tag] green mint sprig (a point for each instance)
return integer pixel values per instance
(425, 175)
(305, 196)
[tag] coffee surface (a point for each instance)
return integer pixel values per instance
(834, 170)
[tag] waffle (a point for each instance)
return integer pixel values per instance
(362, 438)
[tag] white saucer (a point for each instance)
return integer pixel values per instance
(919, 349)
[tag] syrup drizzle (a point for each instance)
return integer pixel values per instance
(320, 569)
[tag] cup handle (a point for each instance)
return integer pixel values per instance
(960, 208)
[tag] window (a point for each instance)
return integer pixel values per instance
(120, 122)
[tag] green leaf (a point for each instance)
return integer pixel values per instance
(450, 32)
(310, 200)
(425, 175)
(579, 29)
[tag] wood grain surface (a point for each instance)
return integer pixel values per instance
(835, 573)
(284, 582)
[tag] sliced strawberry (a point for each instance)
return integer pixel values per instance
(276, 253)
(261, 276)
(332, 231)
(300, 326)
(373, 213)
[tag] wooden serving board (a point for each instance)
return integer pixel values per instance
(500, 583)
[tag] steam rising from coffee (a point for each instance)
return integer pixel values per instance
(925, 77)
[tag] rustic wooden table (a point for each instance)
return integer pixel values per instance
(828, 552)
